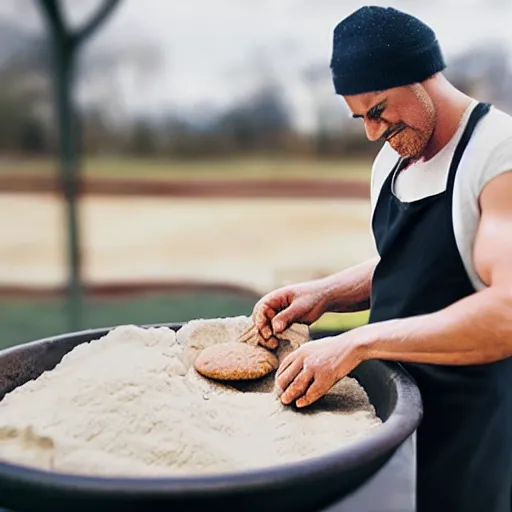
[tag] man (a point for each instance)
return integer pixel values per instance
(441, 288)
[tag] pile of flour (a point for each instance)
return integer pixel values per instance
(131, 404)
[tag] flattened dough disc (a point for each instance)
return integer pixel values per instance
(235, 361)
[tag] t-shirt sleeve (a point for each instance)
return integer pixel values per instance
(498, 162)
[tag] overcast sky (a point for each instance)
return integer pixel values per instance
(206, 45)
(202, 39)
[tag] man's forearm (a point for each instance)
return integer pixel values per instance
(474, 330)
(350, 289)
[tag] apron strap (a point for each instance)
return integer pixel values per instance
(481, 110)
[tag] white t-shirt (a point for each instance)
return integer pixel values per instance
(488, 154)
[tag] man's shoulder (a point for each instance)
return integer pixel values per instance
(490, 151)
(500, 116)
(494, 128)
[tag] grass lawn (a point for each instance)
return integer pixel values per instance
(113, 167)
(341, 322)
(23, 320)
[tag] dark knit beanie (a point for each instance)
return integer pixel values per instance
(378, 48)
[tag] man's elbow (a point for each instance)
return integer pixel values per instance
(498, 322)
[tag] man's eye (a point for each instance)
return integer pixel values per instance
(376, 112)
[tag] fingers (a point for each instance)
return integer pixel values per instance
(262, 317)
(287, 361)
(298, 386)
(286, 317)
(275, 305)
(314, 392)
(305, 375)
(286, 374)
(272, 343)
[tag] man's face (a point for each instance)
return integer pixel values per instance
(404, 116)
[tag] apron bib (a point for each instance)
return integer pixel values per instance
(464, 443)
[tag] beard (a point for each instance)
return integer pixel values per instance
(410, 143)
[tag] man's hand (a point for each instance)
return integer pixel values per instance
(276, 311)
(309, 372)
(346, 291)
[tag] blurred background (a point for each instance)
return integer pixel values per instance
(213, 161)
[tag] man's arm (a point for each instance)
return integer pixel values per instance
(476, 329)
(350, 289)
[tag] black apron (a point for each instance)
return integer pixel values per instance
(464, 443)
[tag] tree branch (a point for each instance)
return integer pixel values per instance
(95, 21)
(51, 11)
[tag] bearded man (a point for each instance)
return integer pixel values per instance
(440, 289)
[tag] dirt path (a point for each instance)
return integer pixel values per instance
(257, 243)
(134, 238)
(212, 188)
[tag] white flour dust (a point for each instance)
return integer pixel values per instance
(131, 404)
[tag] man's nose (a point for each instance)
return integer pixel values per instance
(374, 129)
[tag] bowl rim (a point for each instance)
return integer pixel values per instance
(383, 440)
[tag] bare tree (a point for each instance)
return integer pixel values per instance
(66, 42)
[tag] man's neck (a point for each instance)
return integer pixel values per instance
(450, 104)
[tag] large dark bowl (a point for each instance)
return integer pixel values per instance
(303, 486)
